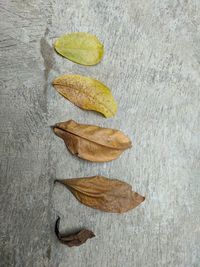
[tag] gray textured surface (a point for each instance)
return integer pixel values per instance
(152, 65)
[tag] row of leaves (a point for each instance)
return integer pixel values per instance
(91, 142)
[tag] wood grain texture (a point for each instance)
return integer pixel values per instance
(151, 63)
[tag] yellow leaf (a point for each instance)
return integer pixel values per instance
(86, 93)
(105, 194)
(80, 47)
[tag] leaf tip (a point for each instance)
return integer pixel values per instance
(139, 198)
(60, 181)
(57, 131)
(52, 127)
(53, 82)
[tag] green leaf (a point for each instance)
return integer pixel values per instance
(80, 47)
(86, 93)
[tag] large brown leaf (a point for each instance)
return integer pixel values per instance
(105, 194)
(72, 240)
(91, 142)
(86, 93)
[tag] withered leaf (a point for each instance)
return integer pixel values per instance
(80, 47)
(105, 194)
(73, 239)
(92, 142)
(86, 93)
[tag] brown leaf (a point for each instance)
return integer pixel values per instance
(105, 194)
(73, 239)
(92, 142)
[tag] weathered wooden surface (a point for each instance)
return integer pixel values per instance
(152, 65)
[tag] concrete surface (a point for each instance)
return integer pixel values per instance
(152, 65)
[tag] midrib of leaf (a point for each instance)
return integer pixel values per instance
(75, 189)
(70, 132)
(84, 49)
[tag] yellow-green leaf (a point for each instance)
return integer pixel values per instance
(86, 93)
(80, 47)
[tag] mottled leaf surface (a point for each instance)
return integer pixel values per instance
(86, 93)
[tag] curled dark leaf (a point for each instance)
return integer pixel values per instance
(72, 240)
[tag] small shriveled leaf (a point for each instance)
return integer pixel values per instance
(86, 93)
(92, 142)
(105, 194)
(80, 47)
(73, 239)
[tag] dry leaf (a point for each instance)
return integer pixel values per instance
(80, 47)
(91, 142)
(105, 194)
(86, 93)
(73, 239)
